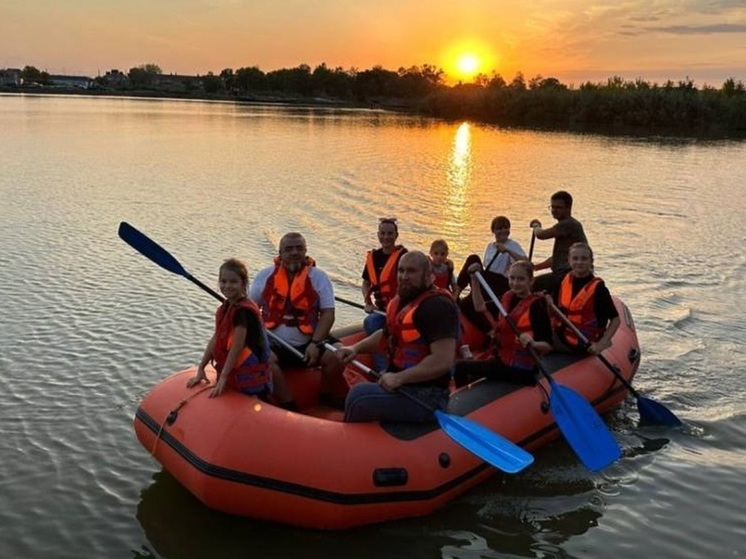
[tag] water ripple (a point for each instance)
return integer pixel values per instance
(89, 325)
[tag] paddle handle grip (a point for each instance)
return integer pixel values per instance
(364, 368)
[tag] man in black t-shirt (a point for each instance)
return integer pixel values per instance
(421, 333)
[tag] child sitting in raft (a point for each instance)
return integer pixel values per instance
(443, 267)
(512, 361)
(498, 257)
(587, 303)
(239, 348)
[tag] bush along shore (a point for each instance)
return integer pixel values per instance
(616, 107)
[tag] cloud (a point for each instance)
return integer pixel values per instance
(702, 29)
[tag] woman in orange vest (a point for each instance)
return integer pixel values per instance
(239, 348)
(379, 273)
(379, 279)
(511, 361)
(586, 301)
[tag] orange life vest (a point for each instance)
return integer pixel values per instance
(406, 346)
(384, 288)
(444, 279)
(510, 351)
(251, 373)
(580, 310)
(291, 303)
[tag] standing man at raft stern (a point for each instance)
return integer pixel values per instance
(379, 279)
(565, 233)
(297, 303)
(422, 327)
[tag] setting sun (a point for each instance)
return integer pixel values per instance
(465, 61)
(468, 64)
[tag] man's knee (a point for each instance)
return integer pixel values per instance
(356, 410)
(373, 322)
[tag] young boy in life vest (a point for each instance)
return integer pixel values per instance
(443, 267)
(239, 348)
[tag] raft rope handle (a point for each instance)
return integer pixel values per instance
(172, 414)
(545, 403)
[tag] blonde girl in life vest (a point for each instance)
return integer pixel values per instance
(512, 361)
(239, 348)
(443, 267)
(586, 301)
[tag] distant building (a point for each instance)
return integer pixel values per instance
(10, 77)
(115, 78)
(72, 82)
(178, 84)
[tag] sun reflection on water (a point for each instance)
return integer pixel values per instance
(459, 178)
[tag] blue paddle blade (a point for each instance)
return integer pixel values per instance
(654, 413)
(149, 248)
(487, 445)
(585, 431)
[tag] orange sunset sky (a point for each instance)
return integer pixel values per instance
(573, 40)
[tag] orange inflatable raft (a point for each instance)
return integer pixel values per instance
(240, 455)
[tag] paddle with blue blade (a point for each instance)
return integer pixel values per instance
(651, 412)
(155, 252)
(582, 427)
(477, 439)
(490, 447)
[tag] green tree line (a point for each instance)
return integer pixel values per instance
(357, 85)
(617, 105)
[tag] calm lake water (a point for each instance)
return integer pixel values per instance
(89, 325)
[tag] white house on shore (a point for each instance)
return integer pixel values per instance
(79, 82)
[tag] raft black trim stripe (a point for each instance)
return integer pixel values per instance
(322, 494)
(295, 488)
